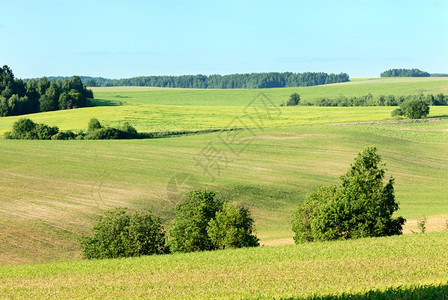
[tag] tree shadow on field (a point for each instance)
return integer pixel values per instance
(417, 292)
(439, 117)
(104, 102)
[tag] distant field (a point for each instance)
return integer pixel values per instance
(414, 265)
(241, 97)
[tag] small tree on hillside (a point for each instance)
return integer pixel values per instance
(188, 231)
(415, 108)
(293, 100)
(94, 124)
(360, 206)
(232, 227)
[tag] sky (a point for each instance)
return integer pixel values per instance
(128, 38)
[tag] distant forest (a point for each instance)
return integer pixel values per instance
(233, 81)
(19, 97)
(405, 73)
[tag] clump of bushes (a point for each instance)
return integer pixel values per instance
(119, 234)
(413, 109)
(26, 129)
(202, 223)
(360, 206)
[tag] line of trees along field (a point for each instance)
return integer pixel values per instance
(18, 97)
(232, 81)
(405, 73)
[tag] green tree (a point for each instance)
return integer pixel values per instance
(415, 108)
(294, 100)
(119, 234)
(50, 100)
(94, 124)
(360, 206)
(232, 227)
(188, 231)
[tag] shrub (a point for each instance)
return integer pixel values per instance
(360, 206)
(294, 100)
(232, 227)
(188, 231)
(94, 124)
(421, 224)
(397, 113)
(415, 108)
(118, 234)
(26, 129)
(65, 135)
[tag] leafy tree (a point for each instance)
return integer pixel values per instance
(188, 231)
(294, 100)
(360, 206)
(94, 124)
(232, 227)
(415, 108)
(119, 234)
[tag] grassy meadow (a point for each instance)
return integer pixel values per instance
(400, 267)
(52, 191)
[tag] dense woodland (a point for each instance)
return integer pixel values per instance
(18, 97)
(405, 73)
(233, 81)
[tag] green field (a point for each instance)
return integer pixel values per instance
(52, 190)
(308, 270)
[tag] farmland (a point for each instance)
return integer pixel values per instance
(405, 263)
(52, 190)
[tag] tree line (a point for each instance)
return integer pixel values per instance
(382, 100)
(18, 97)
(405, 73)
(232, 81)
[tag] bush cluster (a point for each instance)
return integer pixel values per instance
(413, 109)
(201, 223)
(360, 206)
(26, 129)
(119, 234)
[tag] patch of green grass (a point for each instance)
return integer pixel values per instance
(416, 264)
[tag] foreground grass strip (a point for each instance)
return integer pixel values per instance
(387, 266)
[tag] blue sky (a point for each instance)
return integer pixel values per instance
(118, 39)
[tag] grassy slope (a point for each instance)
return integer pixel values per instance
(52, 189)
(315, 269)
